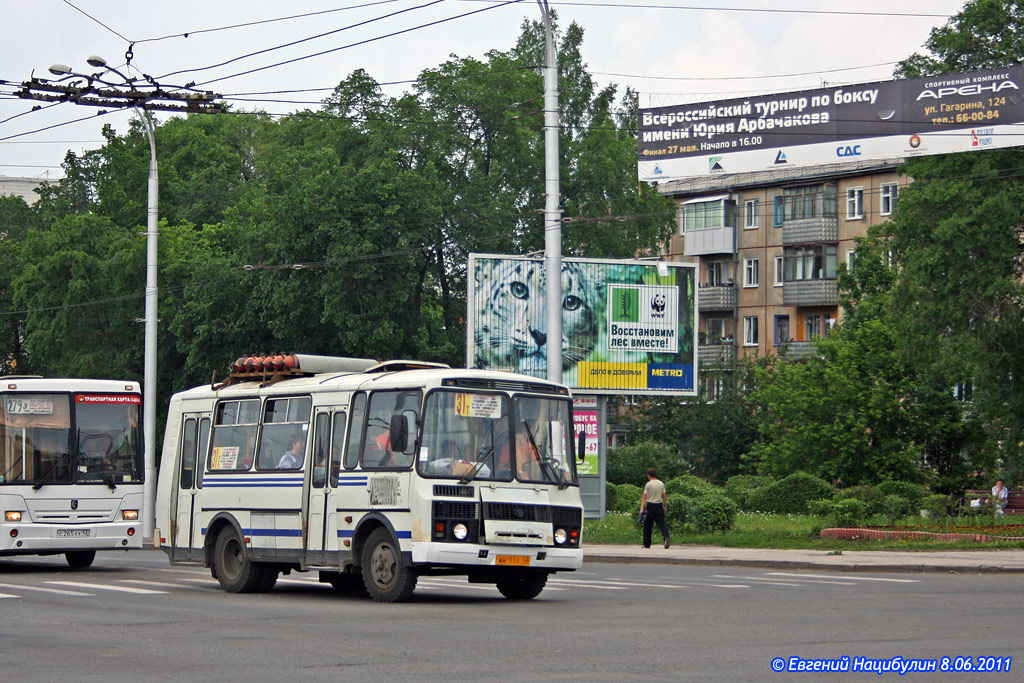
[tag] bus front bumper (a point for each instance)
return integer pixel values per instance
(477, 555)
(28, 538)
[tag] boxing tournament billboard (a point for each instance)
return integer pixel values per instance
(628, 327)
(868, 121)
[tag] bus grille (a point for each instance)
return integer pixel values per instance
(515, 512)
(445, 509)
(453, 490)
(566, 516)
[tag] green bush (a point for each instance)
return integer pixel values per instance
(867, 493)
(629, 464)
(821, 507)
(915, 493)
(627, 498)
(713, 513)
(690, 486)
(610, 496)
(936, 504)
(741, 486)
(848, 512)
(676, 513)
(896, 507)
(791, 495)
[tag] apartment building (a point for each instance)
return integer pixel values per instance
(768, 244)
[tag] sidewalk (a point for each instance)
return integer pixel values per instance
(956, 561)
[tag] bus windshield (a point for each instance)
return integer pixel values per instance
(62, 438)
(469, 435)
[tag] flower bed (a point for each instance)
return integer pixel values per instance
(973, 532)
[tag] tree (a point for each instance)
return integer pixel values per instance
(956, 238)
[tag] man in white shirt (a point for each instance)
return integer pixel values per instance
(652, 507)
(999, 496)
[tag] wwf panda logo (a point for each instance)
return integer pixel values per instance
(658, 303)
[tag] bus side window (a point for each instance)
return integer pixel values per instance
(285, 421)
(321, 447)
(355, 432)
(234, 434)
(188, 455)
(204, 441)
(384, 406)
(337, 437)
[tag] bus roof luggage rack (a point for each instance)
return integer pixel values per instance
(273, 368)
(399, 365)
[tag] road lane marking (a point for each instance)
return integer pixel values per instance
(119, 589)
(5, 595)
(155, 584)
(41, 589)
(847, 578)
(780, 582)
(689, 584)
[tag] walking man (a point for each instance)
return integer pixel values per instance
(652, 507)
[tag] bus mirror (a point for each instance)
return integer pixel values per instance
(399, 434)
(581, 445)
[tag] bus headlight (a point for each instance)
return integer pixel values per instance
(560, 536)
(129, 515)
(459, 531)
(12, 516)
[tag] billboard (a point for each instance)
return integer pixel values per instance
(626, 328)
(867, 121)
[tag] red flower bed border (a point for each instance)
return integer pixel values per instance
(903, 533)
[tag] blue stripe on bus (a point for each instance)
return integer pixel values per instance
(224, 479)
(226, 485)
(265, 532)
(349, 533)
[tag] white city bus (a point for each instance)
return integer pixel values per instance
(373, 474)
(71, 467)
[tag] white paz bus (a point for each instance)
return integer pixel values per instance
(71, 467)
(372, 474)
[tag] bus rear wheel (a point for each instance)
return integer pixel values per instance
(80, 559)
(235, 572)
(385, 577)
(522, 586)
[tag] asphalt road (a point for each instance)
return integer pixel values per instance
(134, 617)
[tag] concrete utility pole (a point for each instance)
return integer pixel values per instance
(97, 92)
(552, 205)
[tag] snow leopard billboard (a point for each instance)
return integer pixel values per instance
(864, 121)
(628, 327)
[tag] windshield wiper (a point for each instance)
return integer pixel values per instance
(479, 463)
(545, 461)
(49, 475)
(103, 475)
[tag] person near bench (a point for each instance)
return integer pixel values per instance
(999, 497)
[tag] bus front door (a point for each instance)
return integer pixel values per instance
(195, 433)
(321, 507)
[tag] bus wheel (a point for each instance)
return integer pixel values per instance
(522, 586)
(385, 577)
(80, 559)
(348, 583)
(235, 572)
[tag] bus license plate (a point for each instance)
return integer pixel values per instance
(72, 533)
(515, 560)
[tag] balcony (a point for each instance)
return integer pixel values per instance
(706, 241)
(797, 350)
(721, 298)
(810, 293)
(810, 230)
(716, 354)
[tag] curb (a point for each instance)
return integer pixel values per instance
(791, 564)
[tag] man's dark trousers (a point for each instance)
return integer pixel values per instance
(654, 514)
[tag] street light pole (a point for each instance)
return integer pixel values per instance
(552, 202)
(149, 371)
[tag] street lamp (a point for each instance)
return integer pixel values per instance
(149, 362)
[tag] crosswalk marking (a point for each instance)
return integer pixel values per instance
(41, 589)
(848, 578)
(96, 586)
(5, 595)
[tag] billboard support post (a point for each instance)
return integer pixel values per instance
(552, 214)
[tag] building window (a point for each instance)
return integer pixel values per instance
(854, 203)
(888, 199)
(782, 329)
(750, 330)
(751, 275)
(809, 201)
(717, 331)
(816, 262)
(719, 273)
(850, 257)
(779, 271)
(813, 326)
(780, 205)
(716, 213)
(750, 213)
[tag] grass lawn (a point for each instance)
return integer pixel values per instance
(758, 530)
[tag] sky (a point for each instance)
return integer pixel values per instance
(670, 51)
